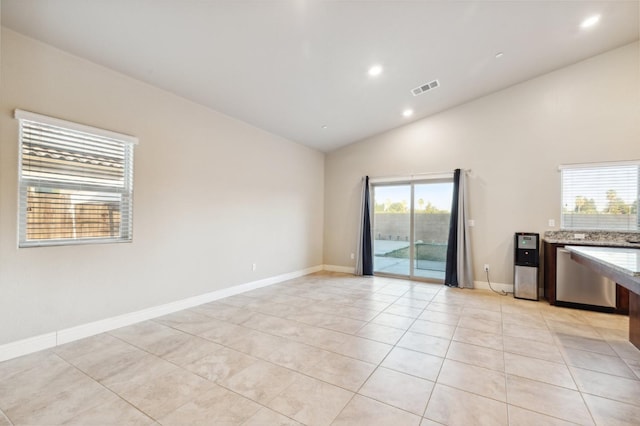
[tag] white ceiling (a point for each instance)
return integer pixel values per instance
(292, 67)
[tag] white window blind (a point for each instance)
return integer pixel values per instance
(76, 183)
(600, 196)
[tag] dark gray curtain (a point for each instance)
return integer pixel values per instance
(451, 268)
(364, 258)
(458, 270)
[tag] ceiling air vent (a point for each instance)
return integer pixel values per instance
(425, 87)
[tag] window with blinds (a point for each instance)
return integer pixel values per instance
(601, 197)
(76, 183)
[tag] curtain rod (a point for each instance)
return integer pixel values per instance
(417, 175)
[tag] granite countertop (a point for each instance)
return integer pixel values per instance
(594, 238)
(623, 260)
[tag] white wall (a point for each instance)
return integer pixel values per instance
(513, 141)
(212, 196)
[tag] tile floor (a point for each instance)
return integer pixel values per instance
(336, 349)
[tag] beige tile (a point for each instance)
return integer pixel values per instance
(484, 325)
(188, 321)
(531, 348)
(256, 343)
(573, 329)
(479, 338)
(424, 343)
(607, 386)
(265, 417)
(450, 308)
(238, 300)
(384, 298)
(476, 355)
(187, 350)
(381, 333)
(470, 378)
(109, 361)
(115, 412)
(311, 401)
(224, 312)
(530, 333)
(276, 326)
(221, 364)
(98, 343)
(547, 399)
(585, 344)
(4, 420)
(634, 366)
(481, 314)
(260, 381)
(625, 349)
(540, 370)
(215, 406)
(391, 320)
(441, 317)
(144, 334)
(612, 413)
(321, 337)
(522, 316)
(365, 411)
(445, 406)
(225, 333)
(145, 369)
(597, 362)
(164, 394)
(401, 390)
(341, 371)
(332, 322)
(427, 422)
(433, 329)
(65, 396)
(415, 363)
(362, 349)
(521, 417)
(613, 333)
(403, 311)
(296, 356)
(411, 302)
(31, 376)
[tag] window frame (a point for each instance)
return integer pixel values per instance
(594, 166)
(125, 191)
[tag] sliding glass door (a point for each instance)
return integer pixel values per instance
(411, 226)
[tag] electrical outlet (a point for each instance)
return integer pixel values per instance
(552, 222)
(353, 256)
(486, 267)
(253, 267)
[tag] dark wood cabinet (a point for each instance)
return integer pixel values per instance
(549, 277)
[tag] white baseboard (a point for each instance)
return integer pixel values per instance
(27, 346)
(60, 337)
(484, 285)
(336, 268)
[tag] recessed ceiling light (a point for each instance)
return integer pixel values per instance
(375, 70)
(590, 22)
(407, 113)
(324, 126)
(499, 55)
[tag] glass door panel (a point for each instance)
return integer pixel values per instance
(392, 229)
(431, 217)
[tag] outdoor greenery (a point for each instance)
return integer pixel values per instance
(403, 207)
(615, 205)
(424, 251)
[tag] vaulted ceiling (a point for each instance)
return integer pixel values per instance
(299, 68)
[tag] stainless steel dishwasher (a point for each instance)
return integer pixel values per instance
(576, 284)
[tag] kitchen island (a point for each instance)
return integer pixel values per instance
(622, 265)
